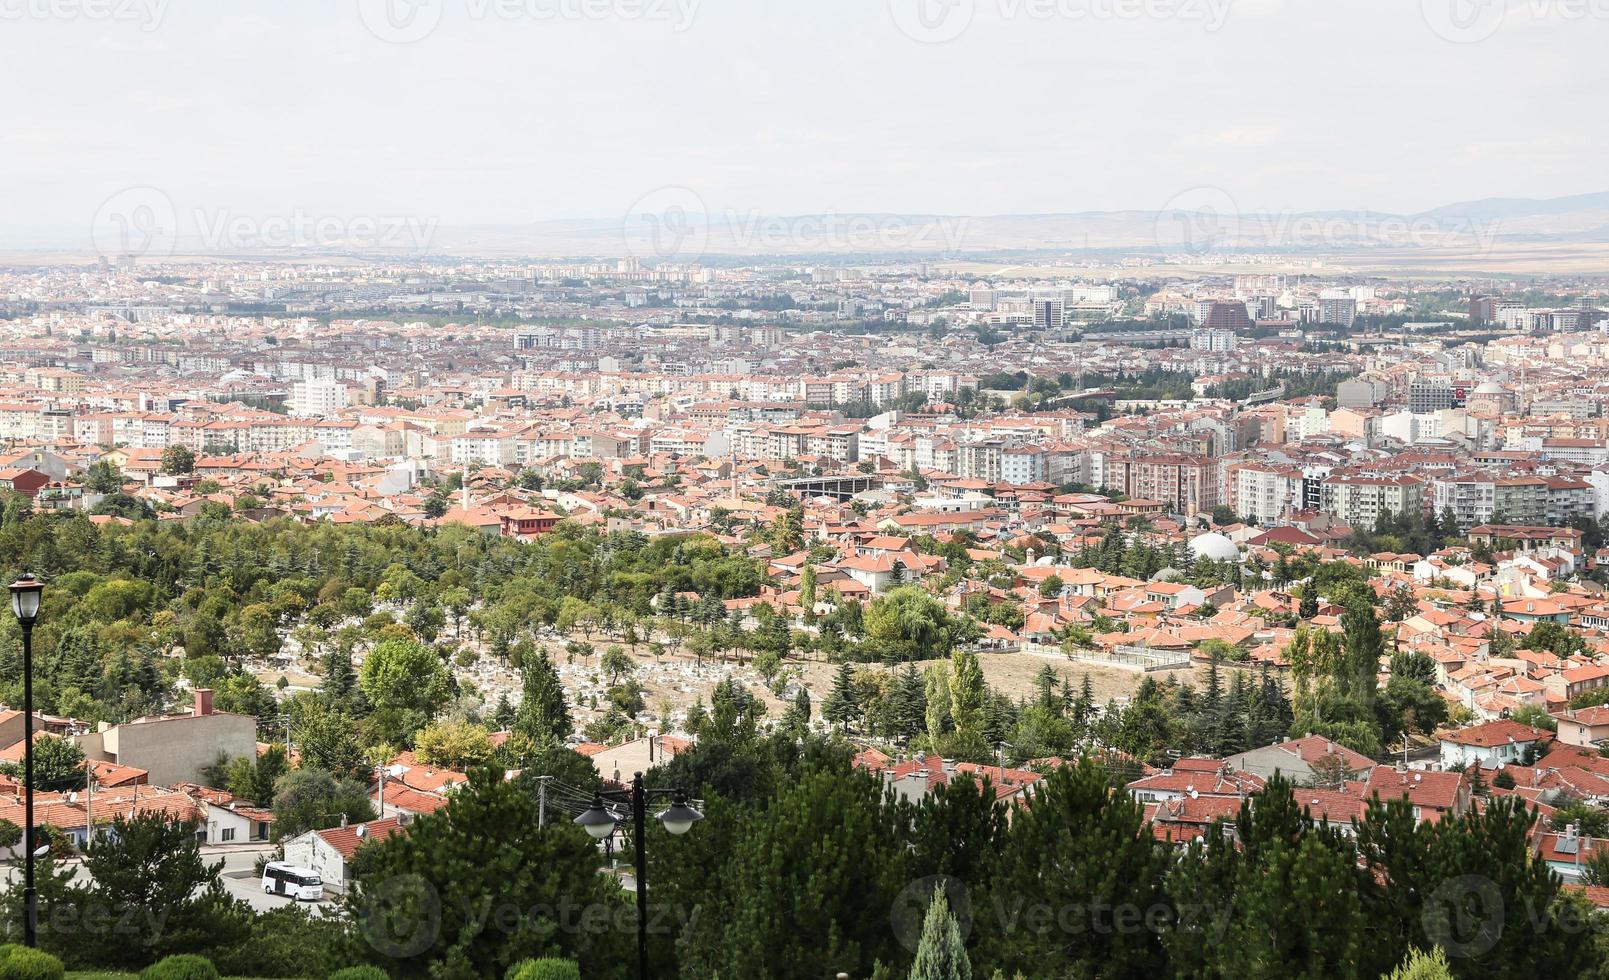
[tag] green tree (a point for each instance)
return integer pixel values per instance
(1078, 844)
(327, 739)
(453, 745)
(178, 460)
(312, 799)
(103, 477)
(1423, 966)
(58, 765)
(839, 707)
(807, 592)
(486, 850)
(406, 683)
(774, 908)
(254, 778)
(941, 954)
(908, 623)
(149, 875)
(616, 663)
(543, 715)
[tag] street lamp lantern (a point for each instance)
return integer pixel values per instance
(25, 598)
(680, 817)
(25, 604)
(596, 820)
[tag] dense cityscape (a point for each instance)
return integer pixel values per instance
(858, 490)
(320, 541)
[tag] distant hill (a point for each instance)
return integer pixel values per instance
(1200, 223)
(670, 227)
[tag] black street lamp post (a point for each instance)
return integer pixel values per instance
(600, 823)
(25, 604)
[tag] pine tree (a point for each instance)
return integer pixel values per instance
(909, 711)
(543, 715)
(503, 714)
(798, 713)
(1045, 685)
(807, 592)
(839, 707)
(340, 687)
(1423, 966)
(1229, 728)
(942, 953)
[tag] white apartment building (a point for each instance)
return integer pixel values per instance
(317, 398)
(1264, 494)
(1024, 464)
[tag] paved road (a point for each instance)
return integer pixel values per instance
(239, 877)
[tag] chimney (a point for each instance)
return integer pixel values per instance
(343, 820)
(203, 702)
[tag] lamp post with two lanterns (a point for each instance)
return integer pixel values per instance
(678, 818)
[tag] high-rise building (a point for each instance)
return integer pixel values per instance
(1049, 314)
(1429, 396)
(1212, 340)
(1227, 316)
(1338, 310)
(317, 398)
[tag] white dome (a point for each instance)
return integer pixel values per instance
(1215, 547)
(1490, 388)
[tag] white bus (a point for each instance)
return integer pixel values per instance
(293, 882)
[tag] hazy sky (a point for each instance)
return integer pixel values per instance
(522, 110)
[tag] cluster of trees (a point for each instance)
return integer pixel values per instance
(806, 868)
(130, 612)
(1337, 692)
(1409, 533)
(949, 710)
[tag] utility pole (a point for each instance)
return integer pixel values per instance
(542, 801)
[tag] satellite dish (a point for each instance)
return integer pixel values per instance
(72, 797)
(1194, 795)
(361, 831)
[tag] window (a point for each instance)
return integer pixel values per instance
(227, 835)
